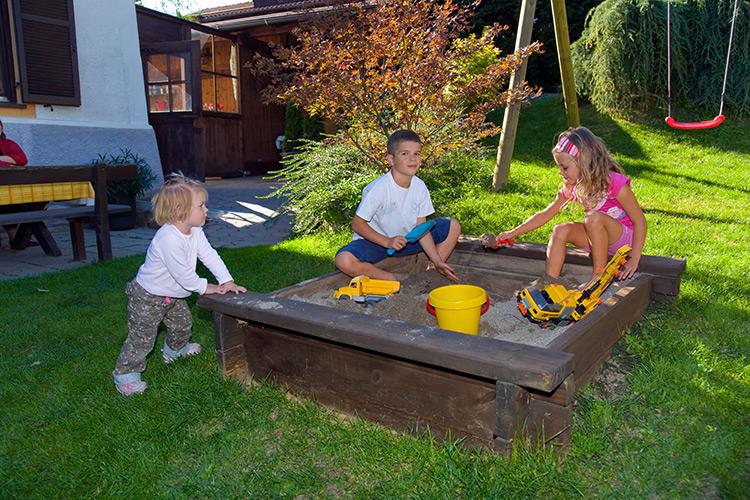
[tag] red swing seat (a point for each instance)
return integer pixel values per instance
(694, 125)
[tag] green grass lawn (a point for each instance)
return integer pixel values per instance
(676, 425)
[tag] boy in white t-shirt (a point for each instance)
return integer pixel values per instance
(391, 206)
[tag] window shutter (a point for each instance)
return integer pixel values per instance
(45, 33)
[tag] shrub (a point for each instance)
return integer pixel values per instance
(620, 61)
(124, 191)
(299, 125)
(323, 184)
(383, 66)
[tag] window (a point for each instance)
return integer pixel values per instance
(7, 84)
(47, 56)
(219, 82)
(168, 83)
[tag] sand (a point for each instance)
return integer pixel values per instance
(502, 320)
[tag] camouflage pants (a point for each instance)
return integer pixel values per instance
(145, 313)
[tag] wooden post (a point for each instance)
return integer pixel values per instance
(562, 40)
(101, 213)
(510, 120)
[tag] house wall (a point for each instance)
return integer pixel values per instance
(112, 114)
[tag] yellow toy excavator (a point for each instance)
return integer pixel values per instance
(555, 305)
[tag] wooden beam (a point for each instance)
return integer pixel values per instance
(527, 366)
(510, 120)
(560, 20)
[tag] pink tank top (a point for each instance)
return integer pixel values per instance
(609, 205)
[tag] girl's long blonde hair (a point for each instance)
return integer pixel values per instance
(595, 163)
(174, 200)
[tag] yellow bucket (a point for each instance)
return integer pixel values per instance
(458, 307)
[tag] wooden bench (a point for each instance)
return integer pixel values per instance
(34, 221)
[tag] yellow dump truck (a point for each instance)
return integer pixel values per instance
(555, 305)
(364, 289)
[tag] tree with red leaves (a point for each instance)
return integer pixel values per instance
(375, 67)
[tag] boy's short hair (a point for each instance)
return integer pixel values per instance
(400, 136)
(174, 200)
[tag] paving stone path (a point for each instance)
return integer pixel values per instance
(237, 217)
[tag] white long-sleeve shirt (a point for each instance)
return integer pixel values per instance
(169, 269)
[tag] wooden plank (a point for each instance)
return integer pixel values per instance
(398, 394)
(511, 411)
(229, 335)
(591, 339)
(77, 173)
(564, 395)
(58, 213)
(101, 218)
(667, 271)
(233, 363)
(524, 365)
(229, 332)
(77, 240)
(549, 424)
(44, 238)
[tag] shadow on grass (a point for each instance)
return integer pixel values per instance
(683, 215)
(533, 143)
(641, 168)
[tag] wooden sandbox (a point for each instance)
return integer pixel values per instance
(405, 375)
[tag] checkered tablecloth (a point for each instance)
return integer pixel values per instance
(29, 193)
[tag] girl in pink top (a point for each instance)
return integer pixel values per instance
(613, 217)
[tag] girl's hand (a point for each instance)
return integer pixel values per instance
(231, 286)
(628, 270)
(211, 288)
(506, 235)
(397, 242)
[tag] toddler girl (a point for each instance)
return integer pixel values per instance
(166, 279)
(613, 217)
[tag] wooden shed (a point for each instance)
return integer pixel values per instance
(203, 103)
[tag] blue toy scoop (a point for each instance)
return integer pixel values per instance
(416, 233)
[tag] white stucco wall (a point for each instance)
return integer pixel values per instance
(112, 114)
(109, 67)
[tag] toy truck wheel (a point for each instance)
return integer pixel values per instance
(344, 297)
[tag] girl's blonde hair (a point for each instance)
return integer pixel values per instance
(594, 163)
(174, 201)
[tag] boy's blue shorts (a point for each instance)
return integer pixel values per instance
(367, 251)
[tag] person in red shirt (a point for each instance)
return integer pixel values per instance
(11, 153)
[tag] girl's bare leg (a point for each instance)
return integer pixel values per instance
(601, 231)
(562, 234)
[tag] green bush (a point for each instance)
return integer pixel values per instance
(123, 191)
(323, 185)
(298, 125)
(620, 61)
(457, 175)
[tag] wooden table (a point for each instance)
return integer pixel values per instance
(23, 194)
(20, 186)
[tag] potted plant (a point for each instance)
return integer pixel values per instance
(126, 192)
